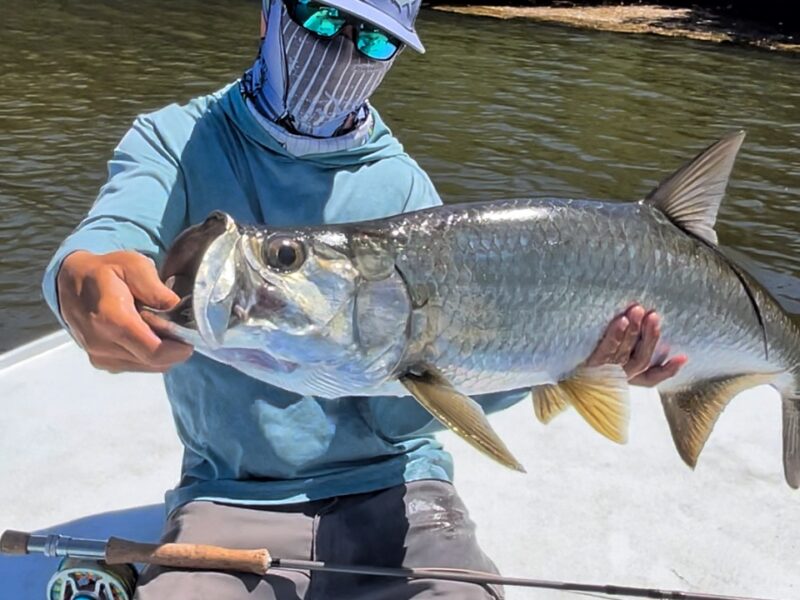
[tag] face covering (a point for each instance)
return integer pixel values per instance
(311, 86)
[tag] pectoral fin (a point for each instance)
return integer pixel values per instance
(460, 413)
(692, 413)
(599, 394)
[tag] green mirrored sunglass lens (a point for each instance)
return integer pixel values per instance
(325, 21)
(376, 45)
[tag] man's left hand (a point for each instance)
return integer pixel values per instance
(630, 341)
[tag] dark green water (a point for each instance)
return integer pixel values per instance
(494, 109)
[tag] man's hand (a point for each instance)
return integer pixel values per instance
(630, 342)
(98, 295)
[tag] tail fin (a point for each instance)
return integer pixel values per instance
(692, 413)
(791, 440)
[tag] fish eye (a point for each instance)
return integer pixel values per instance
(284, 254)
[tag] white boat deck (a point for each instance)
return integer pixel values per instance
(84, 452)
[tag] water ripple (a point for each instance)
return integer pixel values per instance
(494, 109)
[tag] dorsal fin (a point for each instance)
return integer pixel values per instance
(691, 196)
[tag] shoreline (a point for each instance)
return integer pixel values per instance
(689, 23)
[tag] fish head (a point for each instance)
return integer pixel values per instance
(314, 310)
(193, 260)
(317, 305)
(299, 283)
(258, 287)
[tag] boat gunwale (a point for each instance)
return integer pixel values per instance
(37, 347)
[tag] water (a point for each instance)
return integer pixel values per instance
(495, 109)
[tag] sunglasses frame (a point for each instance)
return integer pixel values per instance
(358, 25)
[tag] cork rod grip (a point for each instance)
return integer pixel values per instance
(14, 542)
(189, 556)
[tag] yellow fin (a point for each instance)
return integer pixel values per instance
(548, 402)
(599, 394)
(461, 414)
(692, 412)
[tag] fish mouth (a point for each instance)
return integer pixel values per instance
(200, 268)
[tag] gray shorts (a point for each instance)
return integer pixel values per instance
(421, 524)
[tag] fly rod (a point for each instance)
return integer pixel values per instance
(259, 561)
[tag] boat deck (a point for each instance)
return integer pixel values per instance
(83, 452)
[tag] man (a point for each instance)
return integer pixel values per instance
(353, 480)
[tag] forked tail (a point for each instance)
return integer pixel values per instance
(791, 439)
(790, 396)
(690, 198)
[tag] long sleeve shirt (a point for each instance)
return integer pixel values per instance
(246, 441)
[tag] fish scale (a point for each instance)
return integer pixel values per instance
(516, 315)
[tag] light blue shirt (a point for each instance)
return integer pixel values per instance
(246, 441)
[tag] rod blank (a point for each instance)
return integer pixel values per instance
(480, 577)
(259, 561)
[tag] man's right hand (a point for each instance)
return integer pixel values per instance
(98, 296)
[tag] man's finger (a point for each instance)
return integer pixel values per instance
(609, 343)
(655, 375)
(141, 276)
(635, 316)
(168, 354)
(642, 355)
(120, 365)
(147, 348)
(123, 326)
(171, 353)
(158, 324)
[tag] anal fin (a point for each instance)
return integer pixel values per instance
(599, 394)
(459, 413)
(693, 412)
(549, 401)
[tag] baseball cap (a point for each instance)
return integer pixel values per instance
(395, 17)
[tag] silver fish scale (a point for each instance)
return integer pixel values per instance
(518, 293)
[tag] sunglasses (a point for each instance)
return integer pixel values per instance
(327, 22)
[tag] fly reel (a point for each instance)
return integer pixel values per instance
(82, 579)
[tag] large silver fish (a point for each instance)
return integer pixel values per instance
(476, 298)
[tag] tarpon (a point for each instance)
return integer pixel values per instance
(459, 300)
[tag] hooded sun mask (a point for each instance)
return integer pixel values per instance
(310, 86)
